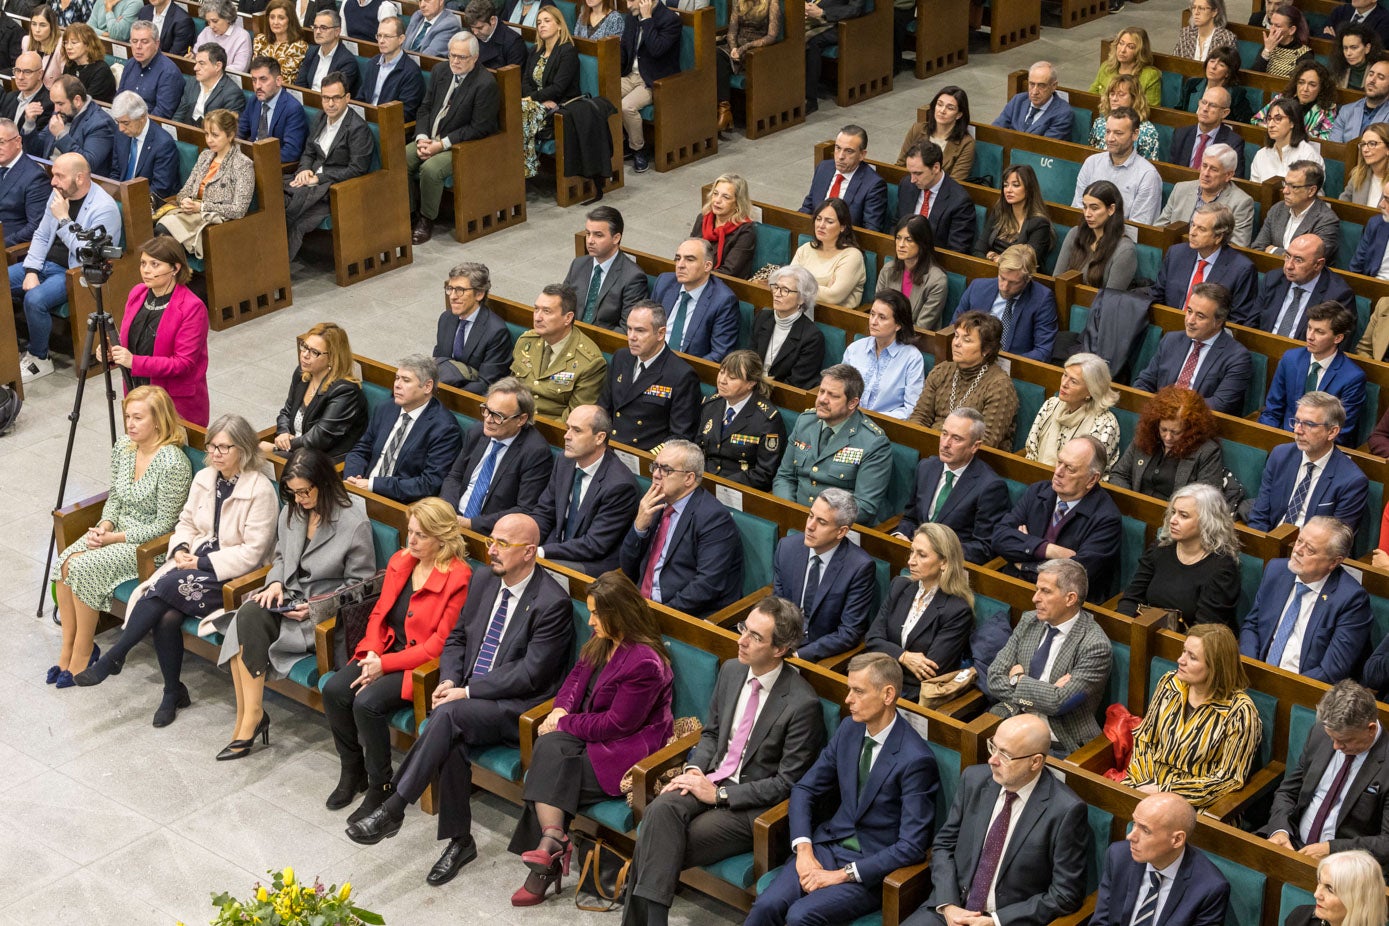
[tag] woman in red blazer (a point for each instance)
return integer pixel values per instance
(424, 589)
(612, 712)
(164, 330)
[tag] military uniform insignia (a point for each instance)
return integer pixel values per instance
(660, 392)
(850, 455)
(708, 426)
(772, 441)
(564, 377)
(801, 445)
(743, 440)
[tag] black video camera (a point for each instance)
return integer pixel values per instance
(96, 253)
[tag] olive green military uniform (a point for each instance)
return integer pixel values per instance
(749, 449)
(573, 377)
(857, 457)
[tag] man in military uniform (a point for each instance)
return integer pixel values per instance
(563, 367)
(742, 434)
(838, 447)
(650, 392)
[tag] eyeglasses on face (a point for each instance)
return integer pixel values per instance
(779, 290)
(450, 290)
(752, 635)
(661, 469)
(995, 751)
(1296, 423)
(304, 494)
(504, 544)
(218, 450)
(497, 417)
(304, 348)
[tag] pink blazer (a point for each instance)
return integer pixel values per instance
(179, 364)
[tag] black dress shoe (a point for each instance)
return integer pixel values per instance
(422, 232)
(457, 853)
(374, 827)
(350, 784)
(169, 706)
(376, 796)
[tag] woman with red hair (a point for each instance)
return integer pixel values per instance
(1175, 445)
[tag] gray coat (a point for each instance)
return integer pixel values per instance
(1321, 220)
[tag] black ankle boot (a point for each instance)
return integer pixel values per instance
(168, 708)
(376, 796)
(351, 782)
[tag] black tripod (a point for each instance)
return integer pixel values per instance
(96, 256)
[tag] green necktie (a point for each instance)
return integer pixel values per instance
(595, 283)
(865, 765)
(944, 494)
(1312, 372)
(677, 325)
(824, 441)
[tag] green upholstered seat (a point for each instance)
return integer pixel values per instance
(902, 483)
(1247, 463)
(1056, 176)
(1030, 399)
(773, 246)
(759, 548)
(1118, 685)
(1301, 721)
(376, 396)
(1246, 906)
(1134, 541)
(834, 345)
(988, 162)
(687, 63)
(1251, 573)
(1101, 824)
(123, 591)
(1290, 898)
(385, 541)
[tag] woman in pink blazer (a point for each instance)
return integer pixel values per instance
(164, 330)
(612, 712)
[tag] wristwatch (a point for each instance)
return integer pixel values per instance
(721, 797)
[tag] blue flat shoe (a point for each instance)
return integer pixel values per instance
(64, 680)
(52, 676)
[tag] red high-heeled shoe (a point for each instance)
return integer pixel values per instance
(525, 898)
(540, 861)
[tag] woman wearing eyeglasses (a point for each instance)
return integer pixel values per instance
(791, 345)
(325, 409)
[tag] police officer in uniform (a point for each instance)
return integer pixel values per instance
(838, 447)
(651, 393)
(746, 445)
(563, 367)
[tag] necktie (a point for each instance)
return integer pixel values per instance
(734, 756)
(1189, 368)
(834, 187)
(1313, 373)
(3, 172)
(677, 324)
(393, 447)
(1288, 323)
(1147, 911)
(418, 43)
(926, 203)
(824, 440)
(944, 494)
(1060, 513)
(1008, 321)
(488, 651)
(1338, 786)
(130, 160)
(484, 480)
(1358, 18)
(595, 283)
(1032, 112)
(865, 766)
(641, 368)
(1038, 666)
(1274, 656)
(1201, 141)
(658, 546)
(991, 855)
(546, 355)
(460, 338)
(575, 497)
(812, 585)
(1299, 497)
(263, 127)
(1197, 279)
(443, 108)
(728, 417)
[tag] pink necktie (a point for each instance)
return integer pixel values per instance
(658, 545)
(734, 757)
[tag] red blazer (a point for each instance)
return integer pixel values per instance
(434, 609)
(179, 364)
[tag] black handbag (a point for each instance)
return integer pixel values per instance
(355, 604)
(603, 875)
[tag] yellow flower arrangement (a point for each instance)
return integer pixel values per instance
(286, 902)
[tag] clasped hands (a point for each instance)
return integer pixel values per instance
(371, 670)
(693, 782)
(309, 178)
(1316, 850)
(812, 874)
(959, 916)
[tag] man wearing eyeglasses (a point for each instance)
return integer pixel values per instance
(340, 147)
(1311, 476)
(1301, 211)
(504, 463)
(1014, 846)
(150, 73)
(24, 187)
(507, 653)
(393, 75)
(28, 104)
(651, 392)
(472, 346)
(328, 55)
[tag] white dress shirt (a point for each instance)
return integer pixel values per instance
(410, 419)
(766, 680)
(1167, 876)
(1318, 470)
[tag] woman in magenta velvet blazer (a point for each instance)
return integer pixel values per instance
(164, 330)
(612, 712)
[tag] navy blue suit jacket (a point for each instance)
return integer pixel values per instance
(405, 83)
(503, 48)
(23, 200)
(287, 123)
(158, 161)
(1343, 379)
(424, 459)
(1231, 270)
(1091, 528)
(1054, 123)
(487, 348)
(1273, 291)
(866, 195)
(952, 213)
(1378, 19)
(1341, 490)
(1034, 316)
(1338, 631)
(343, 60)
(838, 617)
(660, 44)
(516, 483)
(91, 134)
(703, 571)
(1369, 253)
(605, 515)
(711, 331)
(179, 32)
(1198, 896)
(975, 505)
(1222, 379)
(1184, 146)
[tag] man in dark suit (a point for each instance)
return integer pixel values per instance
(77, 126)
(28, 104)
(1026, 307)
(393, 75)
(328, 55)
(1066, 517)
(621, 283)
(145, 149)
(1311, 476)
(927, 190)
(765, 729)
(462, 103)
(1321, 366)
(1367, 13)
(1303, 208)
(957, 489)
(1322, 635)
(210, 88)
(1190, 142)
(1207, 257)
(504, 462)
(273, 113)
(683, 550)
(407, 449)
(340, 147)
(1038, 111)
(1203, 356)
(849, 179)
(1343, 761)
(986, 868)
(651, 392)
(885, 779)
(175, 27)
(508, 652)
(591, 498)
(1285, 295)
(24, 187)
(150, 73)
(1189, 890)
(701, 310)
(431, 29)
(472, 348)
(834, 581)
(650, 51)
(496, 47)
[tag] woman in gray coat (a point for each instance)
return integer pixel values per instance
(1175, 444)
(324, 543)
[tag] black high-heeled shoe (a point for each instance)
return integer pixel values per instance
(240, 749)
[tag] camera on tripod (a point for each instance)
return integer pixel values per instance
(96, 253)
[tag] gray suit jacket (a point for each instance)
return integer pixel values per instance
(1084, 654)
(1182, 203)
(1321, 220)
(622, 287)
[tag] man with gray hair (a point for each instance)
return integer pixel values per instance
(651, 393)
(1310, 616)
(1038, 111)
(1057, 660)
(834, 581)
(957, 489)
(683, 549)
(1207, 257)
(328, 55)
(472, 347)
(408, 447)
(1337, 798)
(504, 463)
(1311, 476)
(1214, 184)
(1301, 211)
(25, 190)
(147, 150)
(150, 73)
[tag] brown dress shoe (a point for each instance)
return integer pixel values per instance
(423, 231)
(725, 116)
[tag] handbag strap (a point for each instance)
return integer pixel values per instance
(593, 862)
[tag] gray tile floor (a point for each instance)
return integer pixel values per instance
(107, 820)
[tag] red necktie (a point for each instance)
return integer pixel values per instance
(834, 187)
(1196, 279)
(1201, 141)
(658, 545)
(926, 202)
(1189, 368)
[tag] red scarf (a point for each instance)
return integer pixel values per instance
(717, 235)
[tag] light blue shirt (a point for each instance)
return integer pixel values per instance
(383, 71)
(1333, 767)
(1137, 180)
(1168, 878)
(892, 378)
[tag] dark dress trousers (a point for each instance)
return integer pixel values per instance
(1222, 379)
(404, 84)
(334, 419)
(1198, 896)
(941, 634)
(951, 212)
(348, 156)
(866, 195)
(1091, 527)
(975, 505)
(659, 405)
(517, 481)
(838, 614)
(621, 287)
(747, 451)
(588, 539)
(486, 349)
(424, 458)
(801, 356)
(703, 568)
(24, 194)
(1230, 269)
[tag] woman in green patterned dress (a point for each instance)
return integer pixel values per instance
(550, 77)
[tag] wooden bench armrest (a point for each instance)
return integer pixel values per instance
(996, 564)
(74, 520)
(530, 723)
(268, 434)
(904, 890)
(970, 704)
(729, 617)
(1095, 756)
(239, 589)
(647, 773)
(323, 644)
(424, 680)
(146, 552)
(771, 843)
(837, 662)
(1261, 783)
(1081, 916)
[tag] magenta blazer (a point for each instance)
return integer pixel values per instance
(628, 718)
(179, 364)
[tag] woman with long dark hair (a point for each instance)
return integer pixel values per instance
(833, 257)
(947, 125)
(891, 363)
(1098, 247)
(1285, 42)
(913, 272)
(1287, 142)
(1314, 89)
(1019, 216)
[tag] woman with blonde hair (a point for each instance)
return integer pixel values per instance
(1350, 892)
(325, 409)
(1081, 406)
(748, 449)
(549, 77)
(1124, 91)
(726, 222)
(751, 24)
(1132, 54)
(218, 189)
(1365, 182)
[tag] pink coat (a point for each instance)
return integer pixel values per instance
(179, 364)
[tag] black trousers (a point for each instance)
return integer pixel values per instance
(723, 73)
(560, 775)
(902, 38)
(442, 750)
(814, 48)
(360, 720)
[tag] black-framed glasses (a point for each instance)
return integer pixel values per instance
(995, 751)
(497, 417)
(779, 290)
(220, 449)
(304, 348)
(661, 469)
(450, 290)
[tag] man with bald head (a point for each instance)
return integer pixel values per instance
(28, 104)
(1153, 876)
(1013, 849)
(1038, 111)
(1285, 295)
(507, 653)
